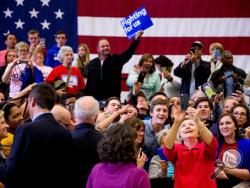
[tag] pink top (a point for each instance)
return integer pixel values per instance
(122, 175)
(2, 57)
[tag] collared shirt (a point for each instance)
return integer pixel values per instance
(39, 114)
(150, 142)
(192, 82)
(193, 166)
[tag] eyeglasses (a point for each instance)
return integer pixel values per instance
(61, 37)
(239, 114)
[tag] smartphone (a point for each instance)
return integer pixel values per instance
(161, 154)
(23, 62)
(42, 41)
(242, 131)
(141, 76)
(208, 89)
(184, 99)
(216, 54)
(192, 50)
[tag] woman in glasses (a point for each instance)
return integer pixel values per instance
(241, 113)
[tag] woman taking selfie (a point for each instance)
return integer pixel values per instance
(194, 157)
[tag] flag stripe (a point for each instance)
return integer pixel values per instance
(171, 46)
(166, 8)
(168, 27)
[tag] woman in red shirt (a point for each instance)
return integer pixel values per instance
(194, 157)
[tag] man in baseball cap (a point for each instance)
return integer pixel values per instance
(197, 44)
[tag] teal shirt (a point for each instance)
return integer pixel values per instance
(149, 87)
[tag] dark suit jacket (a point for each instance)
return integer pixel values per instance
(42, 155)
(85, 139)
(201, 74)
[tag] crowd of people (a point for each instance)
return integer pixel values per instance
(62, 122)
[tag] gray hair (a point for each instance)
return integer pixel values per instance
(86, 108)
(161, 135)
(62, 51)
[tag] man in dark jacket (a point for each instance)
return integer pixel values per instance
(193, 71)
(228, 78)
(104, 72)
(85, 135)
(42, 154)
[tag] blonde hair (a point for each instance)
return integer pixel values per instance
(247, 81)
(1, 114)
(22, 45)
(161, 135)
(216, 45)
(86, 57)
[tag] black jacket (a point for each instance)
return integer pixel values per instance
(105, 81)
(86, 138)
(42, 155)
(201, 74)
(215, 77)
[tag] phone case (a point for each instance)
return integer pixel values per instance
(141, 77)
(184, 98)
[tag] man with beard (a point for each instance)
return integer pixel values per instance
(104, 72)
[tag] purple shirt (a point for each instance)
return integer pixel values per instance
(122, 175)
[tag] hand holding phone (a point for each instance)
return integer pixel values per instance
(184, 99)
(216, 54)
(141, 76)
(42, 42)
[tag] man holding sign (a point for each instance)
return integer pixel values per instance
(139, 20)
(104, 72)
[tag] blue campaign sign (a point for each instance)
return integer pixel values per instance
(137, 21)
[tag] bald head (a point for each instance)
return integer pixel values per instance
(62, 115)
(86, 110)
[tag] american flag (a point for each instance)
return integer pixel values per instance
(177, 23)
(46, 16)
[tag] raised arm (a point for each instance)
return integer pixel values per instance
(171, 136)
(7, 72)
(103, 124)
(204, 132)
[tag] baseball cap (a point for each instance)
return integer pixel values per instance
(197, 44)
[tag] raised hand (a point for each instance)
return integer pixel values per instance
(139, 34)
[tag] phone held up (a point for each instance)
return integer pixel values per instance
(208, 89)
(184, 99)
(216, 53)
(192, 50)
(141, 77)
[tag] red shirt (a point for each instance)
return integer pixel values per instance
(193, 167)
(76, 82)
(224, 147)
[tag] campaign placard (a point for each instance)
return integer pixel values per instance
(135, 22)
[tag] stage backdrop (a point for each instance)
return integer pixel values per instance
(177, 23)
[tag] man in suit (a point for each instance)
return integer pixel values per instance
(42, 153)
(85, 135)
